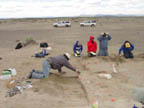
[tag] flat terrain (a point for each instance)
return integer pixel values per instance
(68, 91)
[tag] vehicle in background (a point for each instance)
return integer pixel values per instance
(62, 24)
(88, 23)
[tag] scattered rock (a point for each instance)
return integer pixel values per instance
(107, 76)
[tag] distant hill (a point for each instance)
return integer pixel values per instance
(83, 15)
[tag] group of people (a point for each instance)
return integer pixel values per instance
(103, 39)
(58, 62)
(92, 46)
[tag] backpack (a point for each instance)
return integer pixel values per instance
(19, 45)
(43, 45)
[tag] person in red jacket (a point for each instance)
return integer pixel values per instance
(92, 47)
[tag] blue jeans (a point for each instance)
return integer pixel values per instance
(103, 52)
(39, 55)
(45, 73)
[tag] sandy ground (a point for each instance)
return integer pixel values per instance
(68, 91)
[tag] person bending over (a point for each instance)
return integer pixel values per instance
(55, 63)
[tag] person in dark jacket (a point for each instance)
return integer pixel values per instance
(103, 44)
(55, 63)
(77, 49)
(127, 49)
(92, 47)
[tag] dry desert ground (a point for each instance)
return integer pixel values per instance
(69, 91)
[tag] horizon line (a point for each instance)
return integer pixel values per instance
(97, 15)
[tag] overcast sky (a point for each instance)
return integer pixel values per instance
(59, 8)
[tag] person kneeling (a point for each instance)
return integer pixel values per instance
(55, 63)
(77, 49)
(92, 47)
(127, 49)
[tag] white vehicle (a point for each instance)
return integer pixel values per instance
(88, 23)
(62, 24)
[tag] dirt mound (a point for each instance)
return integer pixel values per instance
(140, 56)
(24, 43)
(113, 58)
(29, 41)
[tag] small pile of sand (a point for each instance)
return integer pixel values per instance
(140, 55)
(29, 41)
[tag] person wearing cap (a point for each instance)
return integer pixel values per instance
(77, 49)
(103, 44)
(92, 47)
(127, 49)
(55, 63)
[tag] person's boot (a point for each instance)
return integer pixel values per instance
(30, 74)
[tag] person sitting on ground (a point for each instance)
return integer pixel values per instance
(103, 44)
(53, 63)
(43, 53)
(127, 49)
(77, 49)
(92, 47)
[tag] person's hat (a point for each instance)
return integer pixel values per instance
(127, 45)
(68, 55)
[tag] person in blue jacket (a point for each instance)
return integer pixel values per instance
(77, 49)
(127, 49)
(42, 53)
